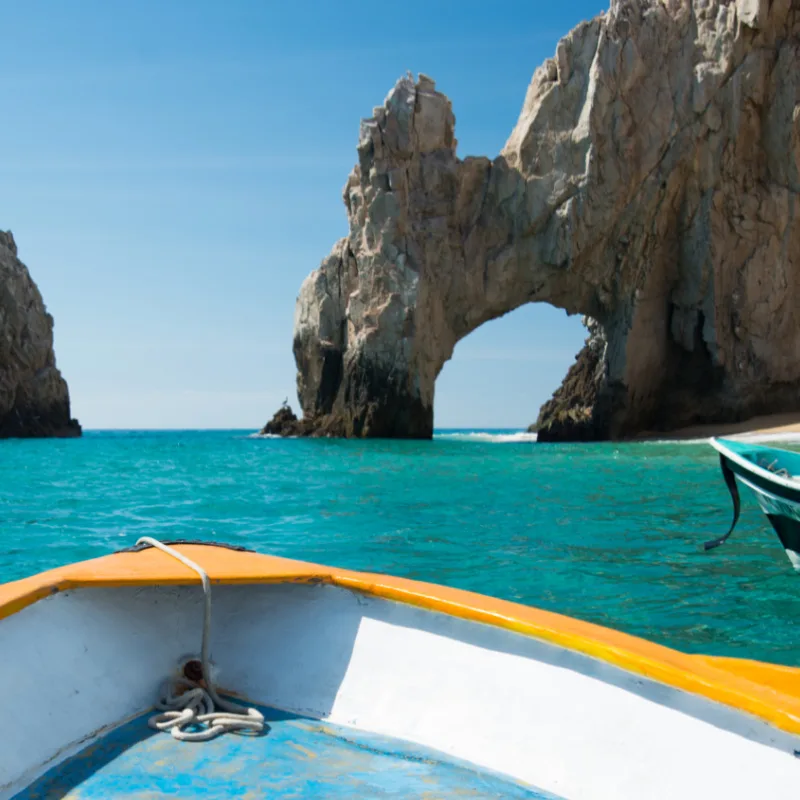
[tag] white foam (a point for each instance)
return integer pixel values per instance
(701, 440)
(460, 436)
(487, 436)
(786, 436)
(754, 438)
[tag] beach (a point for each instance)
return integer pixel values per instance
(770, 426)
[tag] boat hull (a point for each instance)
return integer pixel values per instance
(547, 703)
(775, 493)
(783, 514)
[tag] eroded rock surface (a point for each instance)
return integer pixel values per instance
(651, 183)
(572, 414)
(34, 399)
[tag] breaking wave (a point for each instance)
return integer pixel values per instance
(495, 437)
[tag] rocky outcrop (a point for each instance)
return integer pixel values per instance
(34, 399)
(570, 415)
(651, 183)
(285, 423)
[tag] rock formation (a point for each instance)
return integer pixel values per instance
(285, 423)
(34, 399)
(652, 184)
(570, 414)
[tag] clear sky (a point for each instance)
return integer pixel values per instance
(172, 170)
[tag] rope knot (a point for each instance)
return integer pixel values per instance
(192, 711)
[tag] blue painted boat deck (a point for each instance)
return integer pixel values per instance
(296, 758)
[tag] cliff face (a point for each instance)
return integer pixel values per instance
(574, 412)
(34, 399)
(652, 183)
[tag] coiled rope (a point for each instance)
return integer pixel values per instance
(784, 473)
(186, 704)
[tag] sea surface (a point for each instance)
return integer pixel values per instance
(605, 532)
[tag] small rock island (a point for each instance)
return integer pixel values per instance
(651, 185)
(34, 398)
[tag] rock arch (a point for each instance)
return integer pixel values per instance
(651, 184)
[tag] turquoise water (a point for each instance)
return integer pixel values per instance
(608, 533)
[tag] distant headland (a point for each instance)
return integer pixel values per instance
(34, 398)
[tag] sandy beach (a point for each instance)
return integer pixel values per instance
(772, 425)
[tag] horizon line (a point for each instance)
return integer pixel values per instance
(193, 429)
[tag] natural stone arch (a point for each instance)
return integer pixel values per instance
(651, 184)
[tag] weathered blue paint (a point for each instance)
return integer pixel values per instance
(295, 758)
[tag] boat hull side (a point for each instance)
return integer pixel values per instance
(783, 514)
(777, 495)
(788, 531)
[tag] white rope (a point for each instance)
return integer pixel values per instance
(196, 706)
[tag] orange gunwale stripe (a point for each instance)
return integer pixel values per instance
(769, 692)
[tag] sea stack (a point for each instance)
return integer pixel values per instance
(651, 184)
(34, 398)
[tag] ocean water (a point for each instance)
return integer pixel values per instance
(608, 533)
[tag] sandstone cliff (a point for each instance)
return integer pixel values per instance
(651, 184)
(34, 399)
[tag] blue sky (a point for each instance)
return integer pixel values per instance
(173, 170)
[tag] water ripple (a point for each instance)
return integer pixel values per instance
(608, 533)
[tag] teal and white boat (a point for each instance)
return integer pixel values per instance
(773, 475)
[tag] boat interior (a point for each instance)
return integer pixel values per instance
(780, 462)
(295, 757)
(371, 687)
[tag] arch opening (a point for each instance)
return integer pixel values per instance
(501, 374)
